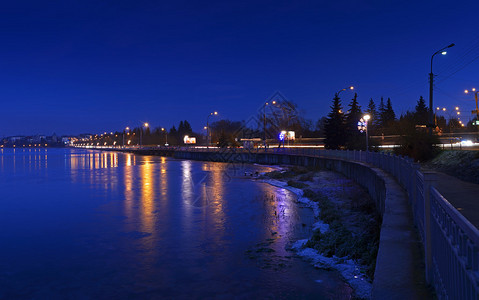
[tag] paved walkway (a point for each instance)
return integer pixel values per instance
(399, 270)
(464, 196)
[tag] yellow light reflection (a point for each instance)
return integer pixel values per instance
(147, 206)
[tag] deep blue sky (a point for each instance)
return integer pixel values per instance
(92, 66)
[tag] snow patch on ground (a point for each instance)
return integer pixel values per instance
(298, 192)
(348, 268)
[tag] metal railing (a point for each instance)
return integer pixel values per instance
(451, 242)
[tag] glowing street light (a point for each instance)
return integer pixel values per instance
(348, 88)
(166, 135)
(141, 132)
(431, 85)
(264, 120)
(208, 131)
(475, 97)
(363, 127)
(126, 129)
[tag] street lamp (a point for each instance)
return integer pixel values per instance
(264, 121)
(431, 84)
(166, 136)
(475, 97)
(363, 127)
(127, 128)
(208, 132)
(141, 132)
(348, 88)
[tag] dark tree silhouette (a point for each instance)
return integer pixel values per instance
(373, 114)
(334, 127)
(421, 113)
(355, 139)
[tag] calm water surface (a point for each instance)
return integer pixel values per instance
(80, 224)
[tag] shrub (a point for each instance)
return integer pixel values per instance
(419, 145)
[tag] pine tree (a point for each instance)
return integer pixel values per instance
(389, 118)
(187, 128)
(334, 128)
(389, 112)
(421, 113)
(373, 114)
(354, 136)
(382, 116)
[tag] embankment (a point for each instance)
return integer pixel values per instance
(399, 272)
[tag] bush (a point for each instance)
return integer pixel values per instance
(419, 145)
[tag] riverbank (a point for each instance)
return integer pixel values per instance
(346, 234)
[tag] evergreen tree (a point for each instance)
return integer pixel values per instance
(382, 116)
(421, 114)
(187, 128)
(389, 112)
(388, 118)
(173, 136)
(373, 114)
(334, 127)
(181, 130)
(354, 136)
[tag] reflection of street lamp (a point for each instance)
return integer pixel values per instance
(166, 136)
(141, 132)
(431, 84)
(208, 131)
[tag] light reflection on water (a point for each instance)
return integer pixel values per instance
(115, 225)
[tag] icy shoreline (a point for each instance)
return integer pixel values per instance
(348, 268)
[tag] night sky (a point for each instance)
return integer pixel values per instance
(72, 67)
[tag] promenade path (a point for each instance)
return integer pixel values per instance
(463, 195)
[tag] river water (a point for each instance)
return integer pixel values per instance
(84, 224)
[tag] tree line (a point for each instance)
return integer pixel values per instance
(339, 128)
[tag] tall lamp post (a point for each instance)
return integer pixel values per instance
(126, 129)
(264, 121)
(208, 132)
(166, 136)
(363, 127)
(431, 87)
(366, 119)
(477, 109)
(141, 132)
(475, 97)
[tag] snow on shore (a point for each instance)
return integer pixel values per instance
(348, 268)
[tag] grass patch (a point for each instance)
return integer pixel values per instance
(280, 174)
(306, 177)
(296, 184)
(339, 240)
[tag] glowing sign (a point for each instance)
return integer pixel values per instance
(286, 135)
(189, 140)
(362, 125)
